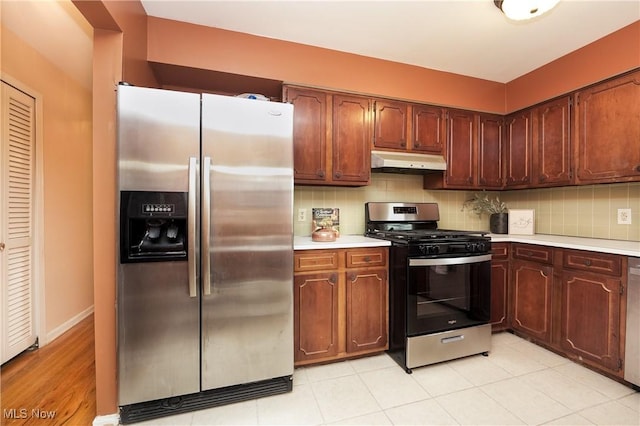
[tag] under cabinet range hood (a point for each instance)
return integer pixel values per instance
(404, 162)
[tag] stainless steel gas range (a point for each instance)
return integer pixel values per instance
(440, 284)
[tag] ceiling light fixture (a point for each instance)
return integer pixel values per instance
(520, 10)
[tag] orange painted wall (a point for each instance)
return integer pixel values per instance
(107, 72)
(611, 55)
(66, 139)
(202, 47)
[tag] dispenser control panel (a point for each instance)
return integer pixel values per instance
(158, 208)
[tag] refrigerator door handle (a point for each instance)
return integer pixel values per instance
(191, 225)
(206, 225)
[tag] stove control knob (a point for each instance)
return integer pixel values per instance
(481, 247)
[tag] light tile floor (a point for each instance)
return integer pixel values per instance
(518, 383)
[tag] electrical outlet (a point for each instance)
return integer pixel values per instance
(302, 215)
(624, 216)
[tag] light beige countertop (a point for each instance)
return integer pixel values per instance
(626, 248)
(344, 241)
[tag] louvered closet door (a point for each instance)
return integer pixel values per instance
(16, 221)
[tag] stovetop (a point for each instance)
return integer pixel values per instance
(426, 235)
(416, 225)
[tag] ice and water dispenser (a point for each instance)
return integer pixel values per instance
(153, 226)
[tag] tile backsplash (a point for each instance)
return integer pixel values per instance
(582, 211)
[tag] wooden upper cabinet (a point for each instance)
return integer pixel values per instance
(351, 139)
(552, 143)
(429, 129)
(331, 137)
(390, 125)
(490, 151)
(518, 150)
(461, 140)
(607, 131)
(309, 134)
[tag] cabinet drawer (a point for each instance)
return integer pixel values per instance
(315, 260)
(602, 263)
(534, 253)
(366, 257)
(499, 251)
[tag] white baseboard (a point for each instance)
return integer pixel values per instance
(65, 326)
(108, 420)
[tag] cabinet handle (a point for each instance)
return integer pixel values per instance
(320, 173)
(587, 262)
(333, 278)
(403, 144)
(638, 168)
(352, 277)
(417, 144)
(337, 175)
(367, 259)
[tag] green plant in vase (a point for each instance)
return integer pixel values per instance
(492, 206)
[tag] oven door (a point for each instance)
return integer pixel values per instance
(448, 293)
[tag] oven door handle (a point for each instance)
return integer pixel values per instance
(450, 260)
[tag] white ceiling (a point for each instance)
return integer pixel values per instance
(468, 37)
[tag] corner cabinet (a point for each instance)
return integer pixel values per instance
(340, 304)
(331, 137)
(607, 131)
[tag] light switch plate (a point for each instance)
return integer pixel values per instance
(624, 216)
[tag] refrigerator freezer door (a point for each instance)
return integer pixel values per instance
(158, 321)
(247, 320)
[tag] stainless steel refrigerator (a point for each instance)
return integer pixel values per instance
(205, 254)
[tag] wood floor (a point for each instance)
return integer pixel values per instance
(53, 385)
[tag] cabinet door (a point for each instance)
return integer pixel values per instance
(490, 152)
(591, 318)
(390, 127)
(552, 150)
(499, 286)
(461, 139)
(607, 131)
(315, 316)
(429, 129)
(351, 140)
(309, 134)
(518, 149)
(367, 313)
(531, 297)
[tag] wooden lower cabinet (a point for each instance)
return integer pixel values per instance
(499, 286)
(592, 300)
(340, 304)
(531, 296)
(570, 301)
(316, 315)
(367, 310)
